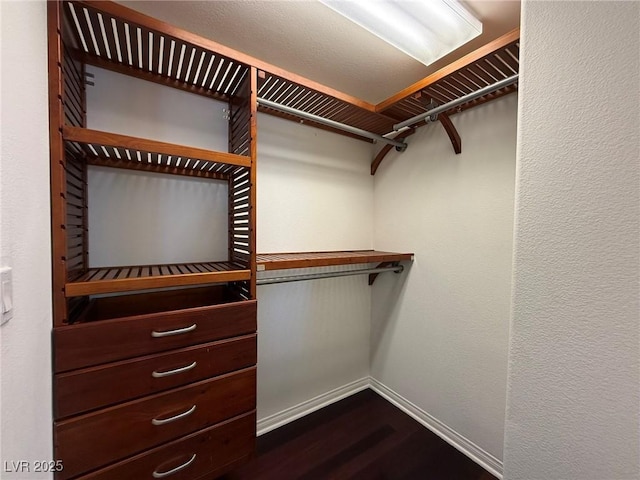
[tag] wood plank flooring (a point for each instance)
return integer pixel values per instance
(362, 437)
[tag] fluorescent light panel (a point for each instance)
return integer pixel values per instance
(423, 29)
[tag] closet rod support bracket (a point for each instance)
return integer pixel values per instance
(385, 265)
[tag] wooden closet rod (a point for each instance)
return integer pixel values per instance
(331, 123)
(314, 276)
(505, 82)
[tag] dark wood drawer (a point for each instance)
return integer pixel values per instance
(90, 388)
(96, 439)
(207, 453)
(95, 343)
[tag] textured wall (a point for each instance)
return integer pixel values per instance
(25, 360)
(573, 396)
(440, 332)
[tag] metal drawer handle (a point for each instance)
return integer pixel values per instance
(157, 374)
(155, 421)
(157, 474)
(177, 331)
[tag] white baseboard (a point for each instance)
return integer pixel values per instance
(453, 438)
(305, 408)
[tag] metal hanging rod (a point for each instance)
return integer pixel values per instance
(314, 276)
(458, 101)
(331, 123)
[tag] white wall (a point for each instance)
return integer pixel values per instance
(314, 189)
(25, 358)
(440, 332)
(314, 193)
(140, 218)
(573, 397)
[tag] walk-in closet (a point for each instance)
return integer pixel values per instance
(236, 259)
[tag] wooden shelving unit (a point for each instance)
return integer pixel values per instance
(178, 340)
(114, 37)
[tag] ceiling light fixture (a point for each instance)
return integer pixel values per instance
(423, 29)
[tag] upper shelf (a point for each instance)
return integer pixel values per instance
(485, 66)
(282, 261)
(122, 151)
(112, 36)
(300, 97)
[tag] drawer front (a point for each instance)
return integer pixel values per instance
(96, 387)
(210, 452)
(95, 343)
(96, 439)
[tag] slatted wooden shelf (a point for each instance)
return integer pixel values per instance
(300, 97)
(114, 37)
(129, 278)
(133, 46)
(283, 261)
(122, 151)
(111, 36)
(485, 66)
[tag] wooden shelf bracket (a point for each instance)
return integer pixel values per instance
(454, 136)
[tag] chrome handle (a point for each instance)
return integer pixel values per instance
(162, 421)
(177, 331)
(157, 374)
(157, 474)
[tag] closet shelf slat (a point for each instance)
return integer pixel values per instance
(126, 279)
(123, 151)
(282, 261)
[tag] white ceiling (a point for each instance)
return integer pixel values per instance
(309, 39)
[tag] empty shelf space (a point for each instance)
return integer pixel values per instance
(281, 261)
(129, 278)
(122, 151)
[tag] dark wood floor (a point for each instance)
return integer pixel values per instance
(362, 437)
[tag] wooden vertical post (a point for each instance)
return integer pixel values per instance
(253, 135)
(57, 162)
(85, 177)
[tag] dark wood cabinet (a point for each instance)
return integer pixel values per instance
(87, 389)
(154, 365)
(97, 342)
(204, 454)
(90, 441)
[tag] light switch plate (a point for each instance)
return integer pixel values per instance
(6, 294)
